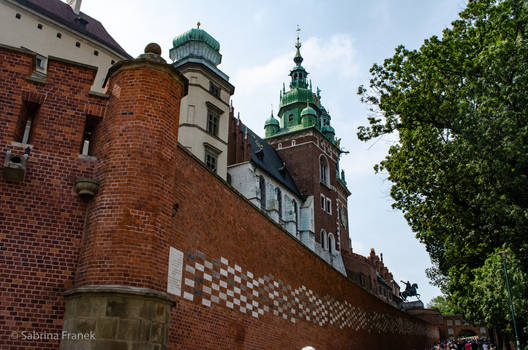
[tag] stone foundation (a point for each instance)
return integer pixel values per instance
(116, 317)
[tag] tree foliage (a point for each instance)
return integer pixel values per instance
(442, 305)
(460, 167)
(491, 296)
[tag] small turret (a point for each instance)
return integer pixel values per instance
(272, 126)
(308, 115)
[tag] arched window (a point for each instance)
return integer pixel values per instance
(323, 170)
(331, 243)
(323, 239)
(279, 200)
(296, 215)
(262, 188)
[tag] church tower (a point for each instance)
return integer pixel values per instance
(306, 142)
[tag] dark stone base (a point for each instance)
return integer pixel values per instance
(412, 305)
(115, 318)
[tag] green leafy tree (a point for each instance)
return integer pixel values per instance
(459, 170)
(491, 296)
(442, 305)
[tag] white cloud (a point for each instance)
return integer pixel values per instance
(336, 55)
(333, 55)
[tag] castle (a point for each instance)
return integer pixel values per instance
(113, 221)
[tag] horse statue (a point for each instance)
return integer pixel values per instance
(410, 291)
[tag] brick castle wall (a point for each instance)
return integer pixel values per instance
(246, 284)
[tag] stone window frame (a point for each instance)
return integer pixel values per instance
(210, 153)
(323, 239)
(331, 242)
(212, 121)
(296, 215)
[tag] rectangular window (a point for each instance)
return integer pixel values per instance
(89, 130)
(329, 206)
(362, 280)
(449, 322)
(210, 161)
(214, 90)
(41, 63)
(323, 202)
(26, 122)
(212, 123)
(457, 322)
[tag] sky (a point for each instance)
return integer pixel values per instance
(341, 41)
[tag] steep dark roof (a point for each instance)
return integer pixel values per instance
(82, 23)
(266, 158)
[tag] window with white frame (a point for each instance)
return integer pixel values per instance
(328, 205)
(323, 202)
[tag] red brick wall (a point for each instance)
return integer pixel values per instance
(238, 232)
(41, 219)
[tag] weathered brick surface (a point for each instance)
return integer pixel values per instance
(129, 223)
(41, 219)
(154, 196)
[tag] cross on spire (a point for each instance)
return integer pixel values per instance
(298, 43)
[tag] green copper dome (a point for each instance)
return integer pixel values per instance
(196, 34)
(272, 121)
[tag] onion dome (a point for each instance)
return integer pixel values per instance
(272, 126)
(196, 45)
(196, 34)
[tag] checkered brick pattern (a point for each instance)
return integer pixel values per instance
(207, 281)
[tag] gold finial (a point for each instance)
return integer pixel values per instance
(298, 43)
(198, 24)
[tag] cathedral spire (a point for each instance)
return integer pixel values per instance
(298, 58)
(298, 73)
